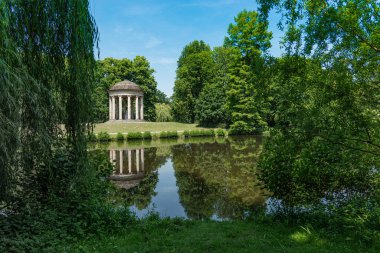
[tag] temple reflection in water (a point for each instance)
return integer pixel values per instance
(129, 166)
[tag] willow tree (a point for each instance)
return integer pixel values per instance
(47, 69)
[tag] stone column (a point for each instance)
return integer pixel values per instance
(142, 108)
(113, 107)
(137, 160)
(121, 161)
(137, 107)
(129, 107)
(120, 107)
(129, 161)
(109, 107)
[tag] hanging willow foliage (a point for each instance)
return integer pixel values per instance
(46, 73)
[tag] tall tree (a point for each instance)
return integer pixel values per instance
(195, 70)
(48, 49)
(245, 94)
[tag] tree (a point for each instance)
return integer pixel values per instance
(163, 112)
(47, 73)
(250, 35)
(111, 71)
(246, 92)
(195, 70)
(211, 107)
(327, 142)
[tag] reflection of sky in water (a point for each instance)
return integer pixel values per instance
(166, 202)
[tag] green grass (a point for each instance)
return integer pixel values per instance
(208, 236)
(116, 127)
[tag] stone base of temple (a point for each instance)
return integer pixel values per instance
(126, 121)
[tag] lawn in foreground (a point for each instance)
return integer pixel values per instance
(209, 236)
(123, 127)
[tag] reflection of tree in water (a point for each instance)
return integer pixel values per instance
(141, 195)
(219, 178)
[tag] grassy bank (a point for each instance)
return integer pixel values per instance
(155, 235)
(122, 127)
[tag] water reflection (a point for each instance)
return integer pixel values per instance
(214, 179)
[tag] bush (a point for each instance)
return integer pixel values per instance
(147, 135)
(241, 128)
(104, 136)
(91, 137)
(163, 134)
(220, 132)
(208, 132)
(186, 133)
(120, 137)
(197, 133)
(134, 135)
(169, 134)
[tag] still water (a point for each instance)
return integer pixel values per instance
(196, 179)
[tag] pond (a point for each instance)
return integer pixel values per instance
(197, 178)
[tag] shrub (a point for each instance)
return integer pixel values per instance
(163, 134)
(186, 133)
(91, 137)
(104, 136)
(147, 135)
(134, 135)
(208, 132)
(120, 137)
(241, 128)
(220, 132)
(169, 134)
(172, 134)
(195, 133)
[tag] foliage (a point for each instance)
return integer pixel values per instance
(162, 98)
(163, 112)
(326, 137)
(103, 136)
(111, 71)
(147, 135)
(246, 92)
(197, 133)
(250, 35)
(186, 133)
(169, 134)
(120, 137)
(194, 71)
(134, 135)
(220, 132)
(91, 137)
(210, 108)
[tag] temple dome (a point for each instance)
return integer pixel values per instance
(126, 85)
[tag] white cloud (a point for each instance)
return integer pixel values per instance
(152, 42)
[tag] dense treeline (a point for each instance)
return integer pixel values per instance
(225, 86)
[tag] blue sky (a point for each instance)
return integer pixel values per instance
(159, 30)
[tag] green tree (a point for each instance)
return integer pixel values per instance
(246, 92)
(163, 112)
(195, 70)
(327, 141)
(47, 74)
